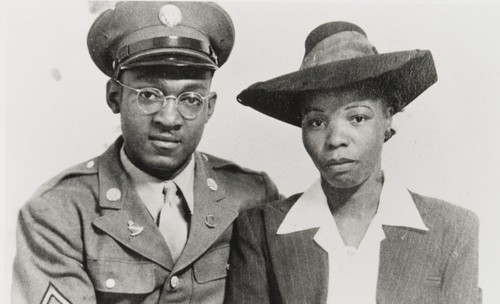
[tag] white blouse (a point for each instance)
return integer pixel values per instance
(353, 272)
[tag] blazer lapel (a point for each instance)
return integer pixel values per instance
(300, 264)
(121, 204)
(394, 261)
(210, 216)
(400, 253)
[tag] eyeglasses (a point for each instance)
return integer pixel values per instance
(152, 100)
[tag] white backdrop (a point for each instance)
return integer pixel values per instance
(448, 141)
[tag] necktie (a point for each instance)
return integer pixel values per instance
(173, 224)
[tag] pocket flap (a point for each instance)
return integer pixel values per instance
(434, 280)
(212, 265)
(115, 276)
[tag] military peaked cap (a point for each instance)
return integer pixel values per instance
(140, 33)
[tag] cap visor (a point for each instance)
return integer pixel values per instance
(170, 57)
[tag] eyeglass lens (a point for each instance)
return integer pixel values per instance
(189, 104)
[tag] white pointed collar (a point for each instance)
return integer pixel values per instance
(396, 208)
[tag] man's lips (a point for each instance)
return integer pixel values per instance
(164, 141)
(165, 138)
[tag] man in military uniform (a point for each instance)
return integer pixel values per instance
(148, 221)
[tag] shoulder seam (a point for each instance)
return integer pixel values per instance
(71, 172)
(218, 163)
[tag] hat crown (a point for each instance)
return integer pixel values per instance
(335, 41)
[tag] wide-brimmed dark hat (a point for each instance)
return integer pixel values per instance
(338, 55)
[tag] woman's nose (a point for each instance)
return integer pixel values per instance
(336, 135)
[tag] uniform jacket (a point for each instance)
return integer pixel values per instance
(74, 244)
(416, 266)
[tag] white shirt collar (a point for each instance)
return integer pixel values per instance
(396, 208)
(309, 211)
(149, 186)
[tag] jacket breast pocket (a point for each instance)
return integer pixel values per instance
(114, 276)
(213, 265)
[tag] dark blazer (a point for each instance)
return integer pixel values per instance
(74, 245)
(434, 266)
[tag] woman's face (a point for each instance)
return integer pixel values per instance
(344, 133)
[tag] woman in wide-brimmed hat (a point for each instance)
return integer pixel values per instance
(356, 235)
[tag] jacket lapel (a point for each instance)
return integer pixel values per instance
(121, 204)
(399, 252)
(300, 264)
(210, 216)
(394, 261)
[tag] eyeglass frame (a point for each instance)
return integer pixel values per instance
(165, 98)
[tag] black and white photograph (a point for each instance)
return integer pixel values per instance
(324, 152)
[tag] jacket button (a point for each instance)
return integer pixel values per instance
(174, 282)
(110, 283)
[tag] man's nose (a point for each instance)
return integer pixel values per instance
(168, 115)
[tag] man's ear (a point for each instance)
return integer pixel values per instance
(212, 99)
(113, 96)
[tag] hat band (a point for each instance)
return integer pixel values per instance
(166, 42)
(340, 46)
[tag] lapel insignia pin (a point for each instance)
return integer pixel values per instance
(212, 184)
(113, 194)
(134, 229)
(210, 220)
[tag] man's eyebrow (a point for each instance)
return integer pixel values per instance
(194, 86)
(144, 75)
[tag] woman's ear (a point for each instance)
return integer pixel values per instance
(113, 96)
(389, 114)
(389, 131)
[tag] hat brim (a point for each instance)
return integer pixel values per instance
(407, 73)
(169, 57)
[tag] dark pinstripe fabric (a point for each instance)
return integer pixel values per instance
(437, 266)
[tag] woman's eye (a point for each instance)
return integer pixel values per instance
(357, 119)
(316, 123)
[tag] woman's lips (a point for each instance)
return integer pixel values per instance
(340, 164)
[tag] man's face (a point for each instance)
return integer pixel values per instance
(161, 143)
(344, 134)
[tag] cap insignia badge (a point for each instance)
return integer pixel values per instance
(170, 15)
